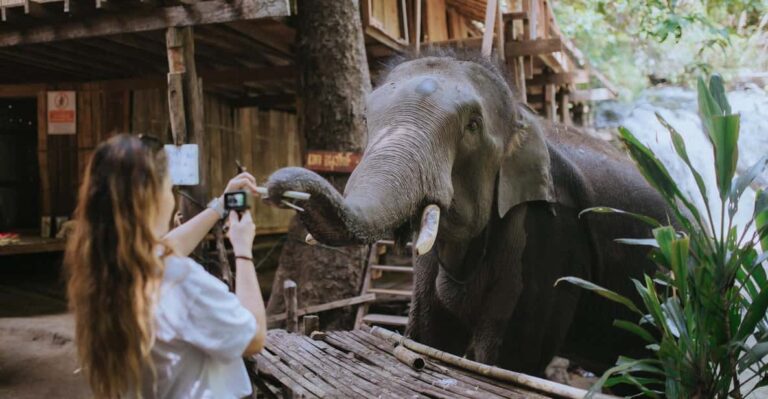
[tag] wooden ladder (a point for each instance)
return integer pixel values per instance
(374, 270)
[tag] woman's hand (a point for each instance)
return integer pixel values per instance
(241, 233)
(243, 181)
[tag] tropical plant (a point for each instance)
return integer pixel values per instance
(704, 313)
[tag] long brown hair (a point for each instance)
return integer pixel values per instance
(114, 271)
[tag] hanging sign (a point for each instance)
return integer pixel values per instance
(62, 112)
(332, 161)
(183, 164)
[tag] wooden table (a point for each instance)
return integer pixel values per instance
(357, 364)
(33, 245)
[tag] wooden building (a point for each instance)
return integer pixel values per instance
(119, 60)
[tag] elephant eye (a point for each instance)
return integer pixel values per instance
(474, 125)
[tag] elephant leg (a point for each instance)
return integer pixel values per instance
(429, 321)
(544, 312)
(504, 268)
(489, 333)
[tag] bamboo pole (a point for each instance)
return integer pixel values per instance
(412, 359)
(535, 383)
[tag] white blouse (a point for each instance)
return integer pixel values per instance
(201, 333)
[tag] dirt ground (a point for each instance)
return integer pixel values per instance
(37, 351)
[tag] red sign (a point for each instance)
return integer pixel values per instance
(62, 112)
(332, 161)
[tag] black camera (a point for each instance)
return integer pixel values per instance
(238, 201)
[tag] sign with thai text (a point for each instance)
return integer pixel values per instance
(62, 112)
(332, 161)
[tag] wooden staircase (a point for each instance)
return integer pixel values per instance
(376, 271)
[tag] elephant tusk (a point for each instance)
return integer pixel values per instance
(430, 221)
(310, 240)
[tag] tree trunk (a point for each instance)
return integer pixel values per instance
(333, 82)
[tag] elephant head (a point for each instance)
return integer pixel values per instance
(442, 131)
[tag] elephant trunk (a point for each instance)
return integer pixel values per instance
(394, 181)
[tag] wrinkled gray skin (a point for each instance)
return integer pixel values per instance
(448, 132)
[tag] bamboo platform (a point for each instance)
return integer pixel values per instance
(363, 364)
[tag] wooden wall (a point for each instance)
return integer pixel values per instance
(262, 141)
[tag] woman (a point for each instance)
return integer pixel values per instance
(150, 322)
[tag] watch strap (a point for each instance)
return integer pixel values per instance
(218, 205)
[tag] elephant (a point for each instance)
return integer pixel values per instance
(491, 196)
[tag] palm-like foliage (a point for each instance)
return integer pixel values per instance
(704, 314)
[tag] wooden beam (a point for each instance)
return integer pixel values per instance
(491, 9)
(576, 77)
(271, 319)
(550, 101)
(142, 19)
(517, 48)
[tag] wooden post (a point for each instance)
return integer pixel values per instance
(550, 102)
(185, 102)
(311, 323)
(291, 306)
(500, 39)
(417, 34)
(490, 20)
(565, 112)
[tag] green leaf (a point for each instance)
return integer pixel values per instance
(675, 251)
(725, 137)
(755, 313)
(654, 171)
(649, 242)
(598, 385)
(604, 209)
(679, 144)
(708, 107)
(604, 292)
(717, 88)
(634, 329)
(753, 355)
(761, 216)
(658, 177)
(744, 180)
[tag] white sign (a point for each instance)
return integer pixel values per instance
(62, 112)
(183, 164)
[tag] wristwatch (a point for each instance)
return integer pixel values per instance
(218, 205)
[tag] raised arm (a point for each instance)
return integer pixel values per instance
(241, 233)
(185, 238)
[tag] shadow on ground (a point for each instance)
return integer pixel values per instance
(37, 350)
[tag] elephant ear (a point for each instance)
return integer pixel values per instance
(525, 174)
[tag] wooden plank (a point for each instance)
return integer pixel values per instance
(397, 269)
(576, 77)
(385, 291)
(366, 376)
(516, 48)
(345, 379)
(565, 112)
(417, 31)
(142, 19)
(21, 90)
(385, 319)
(550, 101)
(33, 246)
(325, 307)
(491, 10)
(436, 26)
